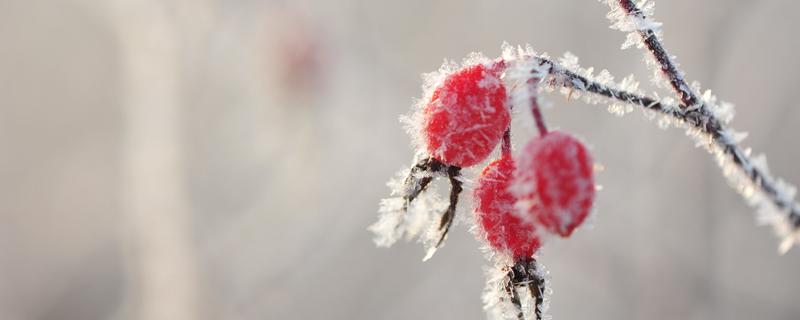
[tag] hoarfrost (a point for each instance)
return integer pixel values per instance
(622, 21)
(738, 176)
(632, 39)
(430, 81)
(772, 198)
(496, 302)
(632, 24)
(391, 220)
(523, 77)
(576, 89)
(569, 61)
(395, 221)
(390, 226)
(733, 137)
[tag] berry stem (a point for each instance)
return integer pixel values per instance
(505, 149)
(533, 85)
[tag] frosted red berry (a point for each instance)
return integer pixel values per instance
(466, 116)
(494, 208)
(555, 182)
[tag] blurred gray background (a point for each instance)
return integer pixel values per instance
(208, 159)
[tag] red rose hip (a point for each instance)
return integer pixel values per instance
(494, 205)
(466, 116)
(555, 182)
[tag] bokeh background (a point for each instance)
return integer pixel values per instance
(209, 159)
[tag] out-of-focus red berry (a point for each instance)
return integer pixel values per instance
(555, 182)
(494, 206)
(466, 116)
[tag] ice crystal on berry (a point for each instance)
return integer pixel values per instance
(494, 206)
(554, 182)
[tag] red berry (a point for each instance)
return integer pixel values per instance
(494, 209)
(466, 116)
(555, 182)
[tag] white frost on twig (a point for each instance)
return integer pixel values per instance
(395, 223)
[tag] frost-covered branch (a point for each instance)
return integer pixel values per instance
(751, 177)
(773, 197)
(647, 30)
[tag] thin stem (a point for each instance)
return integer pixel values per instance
(668, 68)
(505, 149)
(699, 118)
(533, 86)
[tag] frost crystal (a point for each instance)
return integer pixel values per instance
(738, 176)
(390, 226)
(573, 89)
(395, 221)
(624, 22)
(496, 301)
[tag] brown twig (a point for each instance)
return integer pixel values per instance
(668, 68)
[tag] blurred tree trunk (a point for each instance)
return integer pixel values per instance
(162, 274)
